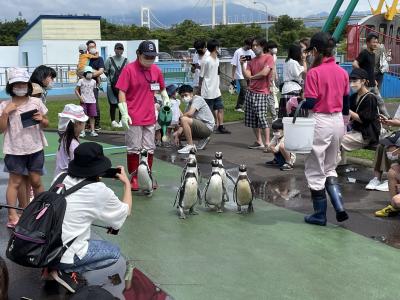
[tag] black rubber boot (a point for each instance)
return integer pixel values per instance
(335, 195)
(319, 204)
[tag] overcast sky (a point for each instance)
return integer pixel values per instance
(30, 9)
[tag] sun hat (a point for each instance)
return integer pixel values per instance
(89, 161)
(82, 47)
(71, 113)
(36, 89)
(88, 69)
(17, 75)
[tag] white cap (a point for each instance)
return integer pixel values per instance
(82, 47)
(71, 112)
(17, 75)
(88, 69)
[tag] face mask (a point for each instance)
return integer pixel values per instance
(257, 51)
(93, 51)
(187, 99)
(277, 134)
(89, 76)
(274, 50)
(20, 92)
(49, 86)
(218, 52)
(392, 156)
(355, 87)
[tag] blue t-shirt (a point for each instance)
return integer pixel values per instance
(97, 63)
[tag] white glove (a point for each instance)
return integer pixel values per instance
(125, 118)
(164, 96)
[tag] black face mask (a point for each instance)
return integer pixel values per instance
(200, 51)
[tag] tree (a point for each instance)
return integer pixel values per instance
(9, 31)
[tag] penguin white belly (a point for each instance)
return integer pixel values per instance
(215, 191)
(190, 196)
(244, 194)
(144, 179)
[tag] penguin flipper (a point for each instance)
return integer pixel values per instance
(199, 196)
(183, 173)
(235, 193)
(205, 191)
(225, 193)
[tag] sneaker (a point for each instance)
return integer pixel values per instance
(374, 182)
(256, 146)
(388, 211)
(221, 129)
(97, 128)
(272, 163)
(120, 124)
(203, 143)
(186, 149)
(383, 187)
(286, 167)
(239, 110)
(94, 133)
(114, 124)
(71, 281)
(83, 134)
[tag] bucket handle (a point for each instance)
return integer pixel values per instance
(296, 113)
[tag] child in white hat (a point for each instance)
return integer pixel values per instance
(70, 124)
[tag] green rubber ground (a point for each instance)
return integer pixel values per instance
(271, 254)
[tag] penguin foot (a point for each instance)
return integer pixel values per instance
(148, 193)
(181, 213)
(219, 210)
(193, 212)
(239, 210)
(250, 208)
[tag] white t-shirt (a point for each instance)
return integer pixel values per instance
(236, 61)
(397, 114)
(63, 158)
(87, 87)
(292, 76)
(209, 73)
(93, 202)
(197, 61)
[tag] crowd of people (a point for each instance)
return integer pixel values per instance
(348, 110)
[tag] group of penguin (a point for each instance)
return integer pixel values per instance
(215, 193)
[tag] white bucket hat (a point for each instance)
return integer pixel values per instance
(17, 75)
(71, 112)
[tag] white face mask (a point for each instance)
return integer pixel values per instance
(49, 86)
(20, 92)
(277, 134)
(89, 76)
(274, 50)
(92, 51)
(355, 86)
(187, 99)
(392, 156)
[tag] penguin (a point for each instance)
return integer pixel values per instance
(215, 192)
(145, 178)
(189, 193)
(192, 156)
(243, 193)
(225, 175)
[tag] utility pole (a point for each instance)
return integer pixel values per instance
(266, 17)
(213, 13)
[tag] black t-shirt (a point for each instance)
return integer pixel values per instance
(97, 63)
(366, 61)
(368, 113)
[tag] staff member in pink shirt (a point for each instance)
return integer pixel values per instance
(327, 94)
(137, 84)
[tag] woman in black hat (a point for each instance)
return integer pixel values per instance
(93, 202)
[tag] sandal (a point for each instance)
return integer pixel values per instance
(12, 224)
(272, 163)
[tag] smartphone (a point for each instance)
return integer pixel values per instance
(112, 173)
(247, 57)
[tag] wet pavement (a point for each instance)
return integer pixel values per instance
(289, 189)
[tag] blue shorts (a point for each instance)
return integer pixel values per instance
(215, 104)
(24, 164)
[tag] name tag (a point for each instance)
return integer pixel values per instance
(155, 86)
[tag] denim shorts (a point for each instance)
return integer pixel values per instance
(215, 104)
(23, 164)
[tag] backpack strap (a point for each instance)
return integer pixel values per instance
(78, 186)
(124, 62)
(114, 64)
(59, 180)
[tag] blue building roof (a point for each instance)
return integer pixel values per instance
(42, 17)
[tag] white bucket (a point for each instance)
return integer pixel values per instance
(299, 136)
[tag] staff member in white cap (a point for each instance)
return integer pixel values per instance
(137, 84)
(71, 122)
(327, 94)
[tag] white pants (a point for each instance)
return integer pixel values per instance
(140, 137)
(325, 154)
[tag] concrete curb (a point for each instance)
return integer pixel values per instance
(360, 161)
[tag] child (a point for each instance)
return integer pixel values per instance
(84, 59)
(84, 91)
(23, 146)
(282, 158)
(175, 104)
(158, 133)
(70, 124)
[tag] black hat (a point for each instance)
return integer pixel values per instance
(392, 140)
(358, 73)
(372, 35)
(119, 46)
(89, 161)
(277, 124)
(148, 48)
(320, 40)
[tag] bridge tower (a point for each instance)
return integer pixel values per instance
(145, 17)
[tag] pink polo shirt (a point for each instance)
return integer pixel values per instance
(135, 81)
(327, 83)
